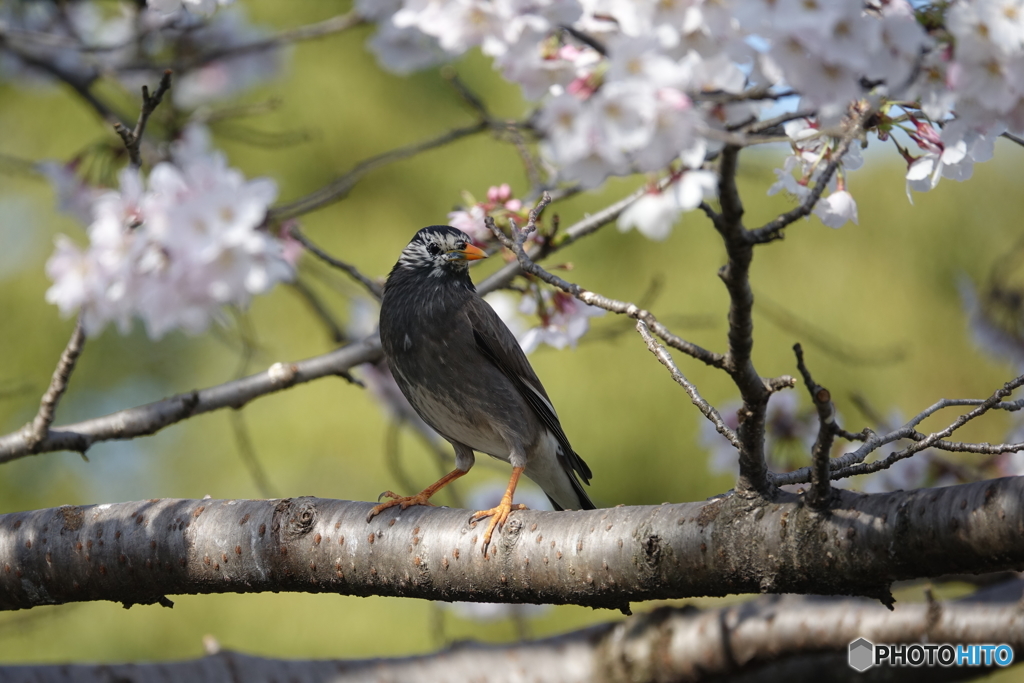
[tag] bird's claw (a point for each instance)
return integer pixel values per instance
(402, 501)
(498, 516)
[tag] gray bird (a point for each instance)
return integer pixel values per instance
(465, 374)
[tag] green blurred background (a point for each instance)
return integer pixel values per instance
(889, 284)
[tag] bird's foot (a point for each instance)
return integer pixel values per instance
(498, 516)
(421, 498)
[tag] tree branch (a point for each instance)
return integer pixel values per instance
(527, 265)
(133, 138)
(768, 639)
(39, 428)
(338, 188)
(849, 464)
(703, 406)
(152, 417)
(374, 288)
(821, 485)
(138, 553)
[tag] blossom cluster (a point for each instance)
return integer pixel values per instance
(646, 86)
(172, 249)
(47, 40)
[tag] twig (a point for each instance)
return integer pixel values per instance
(152, 417)
(1013, 138)
(39, 428)
(320, 309)
(372, 287)
(851, 464)
(583, 228)
(663, 356)
(133, 138)
(515, 244)
(336, 24)
(820, 494)
(338, 188)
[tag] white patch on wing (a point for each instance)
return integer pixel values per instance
(539, 395)
(407, 344)
(543, 468)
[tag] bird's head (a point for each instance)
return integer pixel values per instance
(439, 250)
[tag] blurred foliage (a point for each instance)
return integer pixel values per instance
(889, 283)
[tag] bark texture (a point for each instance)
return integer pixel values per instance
(787, 638)
(141, 552)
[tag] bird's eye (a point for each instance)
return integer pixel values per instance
(434, 248)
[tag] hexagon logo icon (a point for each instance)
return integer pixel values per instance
(862, 654)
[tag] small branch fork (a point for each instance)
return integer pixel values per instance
(821, 487)
(527, 265)
(852, 463)
(133, 138)
(39, 428)
(646, 322)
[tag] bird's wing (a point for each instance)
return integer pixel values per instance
(497, 343)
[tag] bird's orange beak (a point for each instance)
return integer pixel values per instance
(471, 253)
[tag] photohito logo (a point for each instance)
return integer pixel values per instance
(864, 654)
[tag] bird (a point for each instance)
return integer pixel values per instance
(465, 374)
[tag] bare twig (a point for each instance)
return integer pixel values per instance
(705, 408)
(336, 24)
(1013, 138)
(152, 417)
(319, 308)
(851, 464)
(338, 188)
(38, 429)
(372, 287)
(586, 226)
(526, 264)
(820, 494)
(133, 138)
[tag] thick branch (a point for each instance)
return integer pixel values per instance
(769, 639)
(152, 417)
(141, 552)
(735, 274)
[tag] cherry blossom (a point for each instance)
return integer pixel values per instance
(656, 212)
(172, 251)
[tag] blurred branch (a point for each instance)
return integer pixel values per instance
(1013, 138)
(133, 138)
(37, 430)
(338, 188)
(243, 439)
(767, 639)
(336, 24)
(600, 558)
(372, 287)
(822, 339)
(319, 309)
(152, 417)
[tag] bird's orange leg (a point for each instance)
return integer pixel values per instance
(499, 514)
(421, 498)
